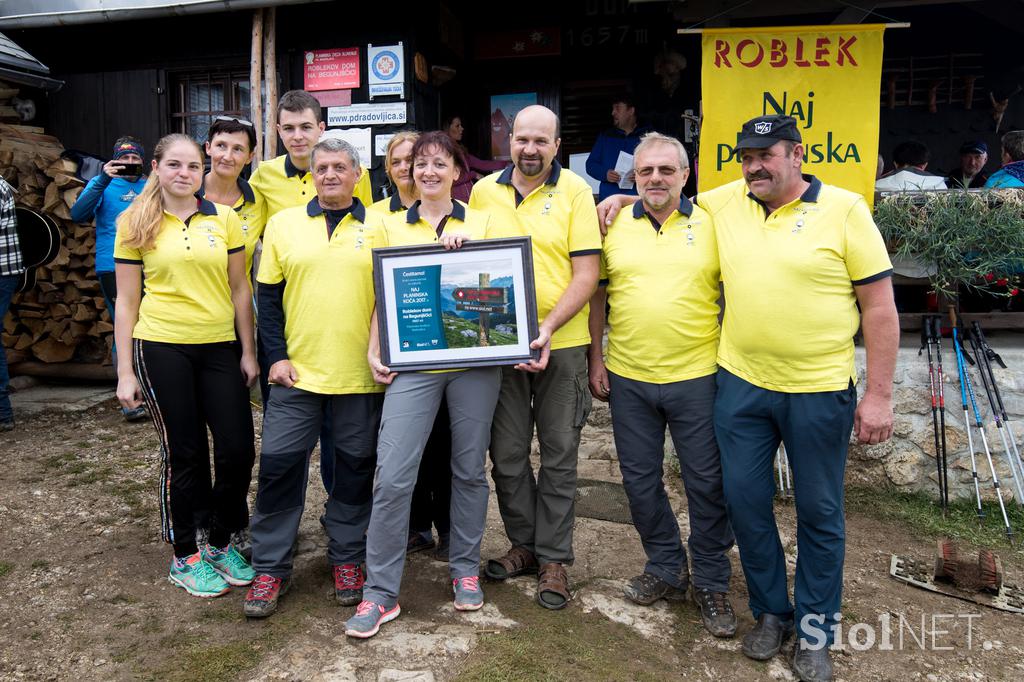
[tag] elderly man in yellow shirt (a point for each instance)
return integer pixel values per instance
(660, 275)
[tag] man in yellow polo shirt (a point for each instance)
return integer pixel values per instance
(286, 181)
(316, 298)
(555, 207)
(797, 258)
(659, 272)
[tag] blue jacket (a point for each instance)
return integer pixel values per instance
(1010, 175)
(105, 198)
(606, 152)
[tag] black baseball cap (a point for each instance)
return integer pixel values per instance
(974, 147)
(764, 131)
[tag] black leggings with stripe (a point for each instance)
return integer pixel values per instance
(188, 387)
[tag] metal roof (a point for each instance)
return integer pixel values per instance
(45, 13)
(18, 66)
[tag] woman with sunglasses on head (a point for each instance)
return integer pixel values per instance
(230, 144)
(433, 493)
(410, 407)
(190, 255)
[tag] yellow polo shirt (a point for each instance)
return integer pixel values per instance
(663, 292)
(407, 228)
(560, 218)
(328, 294)
(188, 297)
(284, 186)
(388, 205)
(251, 209)
(790, 307)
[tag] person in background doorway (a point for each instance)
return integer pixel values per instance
(472, 168)
(971, 173)
(911, 160)
(624, 136)
(104, 198)
(1012, 172)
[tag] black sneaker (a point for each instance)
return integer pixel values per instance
(716, 612)
(348, 584)
(419, 542)
(812, 665)
(242, 540)
(767, 637)
(645, 589)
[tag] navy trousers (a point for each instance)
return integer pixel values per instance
(640, 413)
(750, 422)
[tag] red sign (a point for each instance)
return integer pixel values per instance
(333, 98)
(332, 69)
(485, 295)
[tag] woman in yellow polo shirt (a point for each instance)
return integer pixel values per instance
(184, 363)
(433, 493)
(398, 166)
(410, 406)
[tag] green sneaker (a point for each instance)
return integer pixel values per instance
(197, 577)
(230, 564)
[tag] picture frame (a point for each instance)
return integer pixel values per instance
(475, 306)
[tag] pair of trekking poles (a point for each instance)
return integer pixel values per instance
(983, 357)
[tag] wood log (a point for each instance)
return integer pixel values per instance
(52, 350)
(70, 370)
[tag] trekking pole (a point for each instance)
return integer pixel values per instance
(927, 344)
(937, 338)
(961, 369)
(984, 440)
(983, 370)
(989, 356)
(785, 469)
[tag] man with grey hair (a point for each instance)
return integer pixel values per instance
(315, 299)
(660, 274)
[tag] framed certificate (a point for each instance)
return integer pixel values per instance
(470, 307)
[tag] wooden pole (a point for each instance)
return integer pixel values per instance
(485, 318)
(270, 73)
(256, 84)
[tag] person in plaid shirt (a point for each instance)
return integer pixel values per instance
(11, 267)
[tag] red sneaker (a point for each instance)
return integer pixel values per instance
(348, 584)
(261, 600)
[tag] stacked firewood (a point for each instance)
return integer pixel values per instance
(63, 317)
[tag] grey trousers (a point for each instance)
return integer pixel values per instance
(640, 412)
(539, 512)
(290, 430)
(410, 405)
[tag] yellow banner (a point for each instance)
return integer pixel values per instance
(827, 77)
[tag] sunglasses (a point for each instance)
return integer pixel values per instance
(235, 119)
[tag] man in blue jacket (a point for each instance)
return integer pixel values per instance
(1012, 172)
(624, 137)
(104, 198)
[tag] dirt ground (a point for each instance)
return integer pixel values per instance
(84, 594)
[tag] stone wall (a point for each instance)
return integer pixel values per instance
(908, 460)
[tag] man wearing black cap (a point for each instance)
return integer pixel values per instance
(797, 258)
(971, 174)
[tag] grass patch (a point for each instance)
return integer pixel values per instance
(922, 515)
(195, 657)
(5, 568)
(553, 646)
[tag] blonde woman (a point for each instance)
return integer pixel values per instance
(398, 166)
(184, 363)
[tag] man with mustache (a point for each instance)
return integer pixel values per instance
(555, 207)
(797, 258)
(659, 272)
